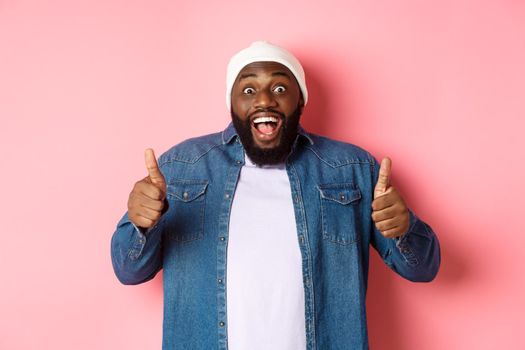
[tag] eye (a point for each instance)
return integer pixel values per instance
(279, 89)
(248, 90)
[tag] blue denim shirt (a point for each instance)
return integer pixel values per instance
(332, 186)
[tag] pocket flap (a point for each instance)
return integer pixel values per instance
(341, 193)
(187, 190)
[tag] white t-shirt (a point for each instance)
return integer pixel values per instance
(265, 293)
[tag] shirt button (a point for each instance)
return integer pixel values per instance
(185, 195)
(238, 162)
(342, 197)
(221, 324)
(222, 238)
(219, 280)
(227, 195)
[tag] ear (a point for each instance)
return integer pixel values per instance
(301, 101)
(300, 106)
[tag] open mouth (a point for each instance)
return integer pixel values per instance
(267, 125)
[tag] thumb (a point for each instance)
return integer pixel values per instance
(154, 173)
(383, 181)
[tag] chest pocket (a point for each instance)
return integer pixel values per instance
(340, 212)
(187, 199)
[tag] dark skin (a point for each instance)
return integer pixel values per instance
(266, 89)
(390, 213)
(146, 200)
(262, 88)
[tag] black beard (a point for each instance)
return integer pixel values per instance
(274, 155)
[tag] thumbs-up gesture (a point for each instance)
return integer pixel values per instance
(390, 214)
(146, 200)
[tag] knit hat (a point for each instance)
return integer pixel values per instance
(262, 51)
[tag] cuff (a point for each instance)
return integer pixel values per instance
(140, 239)
(402, 243)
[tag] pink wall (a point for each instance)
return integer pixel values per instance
(85, 86)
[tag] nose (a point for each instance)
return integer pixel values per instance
(264, 99)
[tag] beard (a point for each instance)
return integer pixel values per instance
(273, 155)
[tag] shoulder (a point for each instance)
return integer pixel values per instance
(192, 149)
(338, 153)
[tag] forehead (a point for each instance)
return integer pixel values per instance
(256, 69)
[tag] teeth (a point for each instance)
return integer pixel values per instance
(265, 120)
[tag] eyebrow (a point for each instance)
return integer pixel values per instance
(279, 73)
(253, 75)
(244, 76)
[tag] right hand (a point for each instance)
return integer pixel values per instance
(146, 200)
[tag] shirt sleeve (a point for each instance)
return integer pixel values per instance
(416, 255)
(136, 254)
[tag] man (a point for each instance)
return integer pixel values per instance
(263, 230)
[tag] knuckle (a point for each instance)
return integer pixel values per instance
(133, 203)
(139, 221)
(139, 184)
(155, 192)
(388, 233)
(146, 222)
(396, 209)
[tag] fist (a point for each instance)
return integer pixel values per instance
(146, 200)
(389, 212)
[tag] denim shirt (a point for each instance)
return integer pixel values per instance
(332, 185)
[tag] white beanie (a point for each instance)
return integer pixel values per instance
(262, 51)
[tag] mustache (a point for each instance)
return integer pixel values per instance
(267, 110)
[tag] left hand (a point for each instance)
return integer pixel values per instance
(390, 213)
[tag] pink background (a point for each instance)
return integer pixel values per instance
(86, 86)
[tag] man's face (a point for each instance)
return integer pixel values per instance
(266, 106)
